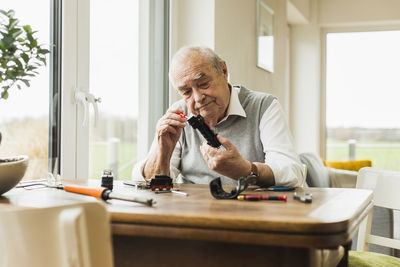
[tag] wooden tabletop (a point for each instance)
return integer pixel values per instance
(330, 220)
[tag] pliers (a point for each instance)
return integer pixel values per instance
(307, 198)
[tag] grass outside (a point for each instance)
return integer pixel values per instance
(382, 157)
(98, 160)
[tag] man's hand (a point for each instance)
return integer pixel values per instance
(228, 163)
(169, 129)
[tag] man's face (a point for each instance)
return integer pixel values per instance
(205, 91)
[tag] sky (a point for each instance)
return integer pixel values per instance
(363, 81)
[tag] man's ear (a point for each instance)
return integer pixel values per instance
(224, 69)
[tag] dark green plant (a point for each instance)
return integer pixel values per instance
(20, 53)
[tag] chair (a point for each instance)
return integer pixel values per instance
(318, 175)
(351, 165)
(385, 185)
(67, 235)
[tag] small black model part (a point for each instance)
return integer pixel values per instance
(107, 179)
(219, 193)
(161, 182)
(197, 122)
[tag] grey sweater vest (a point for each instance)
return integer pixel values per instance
(243, 133)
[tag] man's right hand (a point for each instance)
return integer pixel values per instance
(169, 129)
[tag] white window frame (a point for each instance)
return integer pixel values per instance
(153, 92)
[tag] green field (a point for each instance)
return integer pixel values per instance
(98, 160)
(385, 157)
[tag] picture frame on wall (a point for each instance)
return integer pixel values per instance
(265, 36)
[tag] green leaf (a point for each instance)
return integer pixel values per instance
(19, 63)
(43, 51)
(11, 13)
(25, 57)
(27, 28)
(26, 82)
(17, 33)
(13, 23)
(4, 95)
(43, 59)
(30, 67)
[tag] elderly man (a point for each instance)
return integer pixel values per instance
(251, 126)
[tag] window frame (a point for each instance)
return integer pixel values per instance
(55, 87)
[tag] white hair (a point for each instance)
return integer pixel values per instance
(206, 52)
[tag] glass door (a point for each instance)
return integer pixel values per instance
(114, 64)
(114, 78)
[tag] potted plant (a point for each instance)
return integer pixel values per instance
(20, 57)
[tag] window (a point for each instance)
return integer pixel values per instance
(24, 116)
(115, 51)
(362, 94)
(114, 77)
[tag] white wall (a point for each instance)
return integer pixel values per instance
(358, 12)
(305, 83)
(307, 95)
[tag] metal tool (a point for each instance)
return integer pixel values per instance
(307, 198)
(137, 184)
(101, 193)
(261, 197)
(106, 194)
(172, 191)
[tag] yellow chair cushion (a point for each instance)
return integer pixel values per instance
(371, 259)
(351, 165)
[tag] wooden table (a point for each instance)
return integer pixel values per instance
(199, 230)
(202, 231)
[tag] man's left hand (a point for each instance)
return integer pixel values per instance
(228, 163)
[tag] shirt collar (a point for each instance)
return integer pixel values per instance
(234, 108)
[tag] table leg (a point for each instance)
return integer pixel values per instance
(345, 260)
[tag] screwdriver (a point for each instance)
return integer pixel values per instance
(105, 194)
(261, 197)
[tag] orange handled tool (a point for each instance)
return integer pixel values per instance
(105, 194)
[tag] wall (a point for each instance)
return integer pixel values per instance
(307, 94)
(358, 12)
(305, 83)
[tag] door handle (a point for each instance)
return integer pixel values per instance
(86, 99)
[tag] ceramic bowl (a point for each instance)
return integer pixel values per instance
(12, 169)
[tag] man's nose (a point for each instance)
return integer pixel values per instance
(198, 97)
